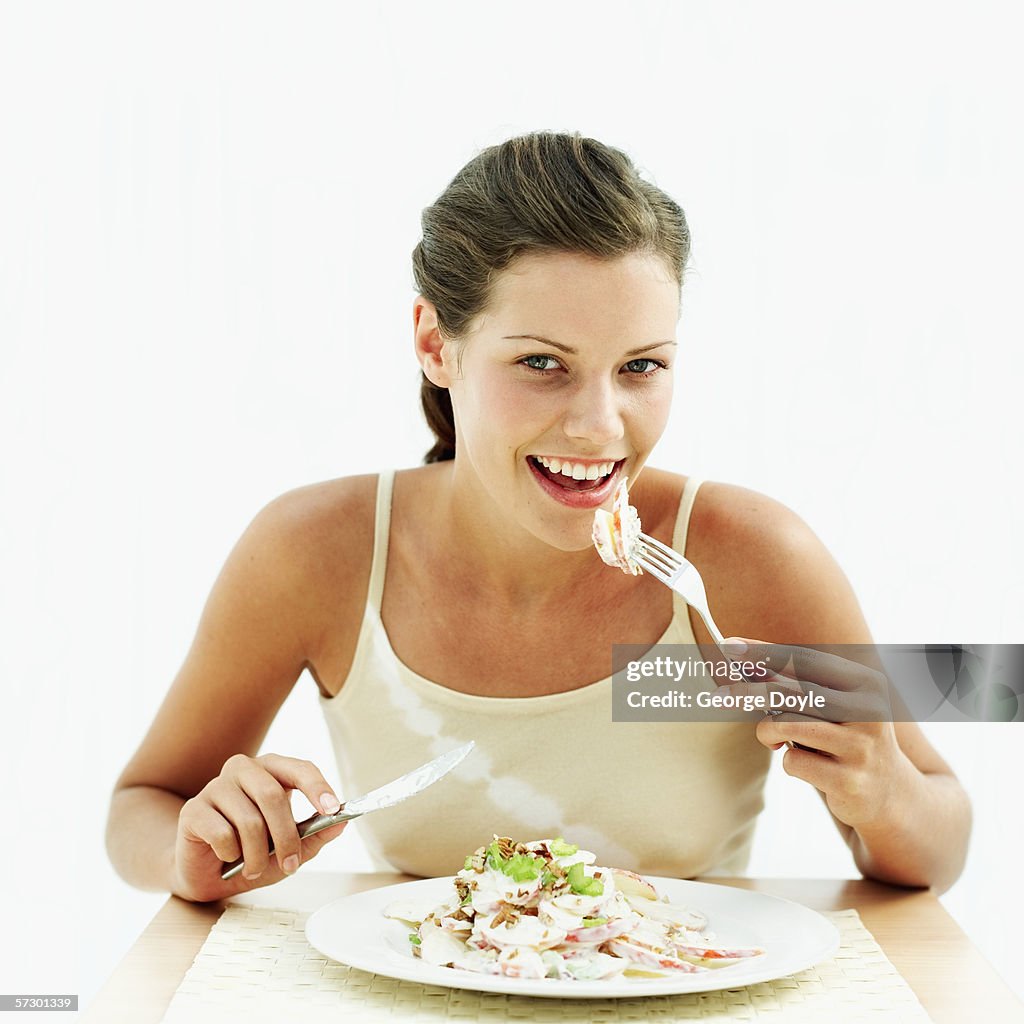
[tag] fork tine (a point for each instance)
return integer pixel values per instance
(680, 575)
(653, 568)
(656, 549)
(657, 558)
(663, 549)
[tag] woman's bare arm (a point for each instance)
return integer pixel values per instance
(896, 802)
(195, 793)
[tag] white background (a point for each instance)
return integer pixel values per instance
(206, 216)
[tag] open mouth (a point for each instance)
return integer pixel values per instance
(574, 476)
(576, 485)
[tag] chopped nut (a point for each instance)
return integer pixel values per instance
(506, 915)
(505, 846)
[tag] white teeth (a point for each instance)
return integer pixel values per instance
(577, 470)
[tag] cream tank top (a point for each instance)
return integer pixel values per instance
(675, 798)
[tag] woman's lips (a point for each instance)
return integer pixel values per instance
(577, 499)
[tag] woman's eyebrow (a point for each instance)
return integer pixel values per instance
(571, 351)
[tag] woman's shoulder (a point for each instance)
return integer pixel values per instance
(327, 514)
(315, 544)
(766, 571)
(729, 517)
(317, 540)
(723, 517)
(326, 529)
(722, 513)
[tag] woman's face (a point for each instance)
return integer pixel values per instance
(567, 374)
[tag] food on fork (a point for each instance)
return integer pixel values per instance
(544, 909)
(617, 533)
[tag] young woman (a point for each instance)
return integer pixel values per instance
(463, 599)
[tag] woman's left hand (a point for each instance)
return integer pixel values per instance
(837, 715)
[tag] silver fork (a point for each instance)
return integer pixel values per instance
(667, 565)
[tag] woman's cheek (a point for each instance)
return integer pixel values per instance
(487, 403)
(517, 410)
(650, 412)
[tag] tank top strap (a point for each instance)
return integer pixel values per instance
(686, 501)
(681, 630)
(381, 533)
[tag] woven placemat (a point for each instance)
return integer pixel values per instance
(257, 966)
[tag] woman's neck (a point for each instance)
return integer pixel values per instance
(486, 545)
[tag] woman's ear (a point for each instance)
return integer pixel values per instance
(429, 343)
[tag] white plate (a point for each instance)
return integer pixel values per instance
(354, 931)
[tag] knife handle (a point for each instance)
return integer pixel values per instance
(308, 827)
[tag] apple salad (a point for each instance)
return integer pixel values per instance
(544, 909)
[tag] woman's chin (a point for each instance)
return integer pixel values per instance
(568, 542)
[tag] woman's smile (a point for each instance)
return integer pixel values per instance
(577, 483)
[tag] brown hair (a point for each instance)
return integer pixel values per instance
(542, 192)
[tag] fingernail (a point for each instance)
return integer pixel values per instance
(290, 865)
(329, 803)
(251, 875)
(734, 648)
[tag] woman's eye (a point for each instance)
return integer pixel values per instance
(643, 367)
(540, 362)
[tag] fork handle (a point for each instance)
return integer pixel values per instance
(716, 633)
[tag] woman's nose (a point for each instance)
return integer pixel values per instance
(595, 415)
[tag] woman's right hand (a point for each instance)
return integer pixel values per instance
(237, 814)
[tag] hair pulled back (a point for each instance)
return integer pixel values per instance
(542, 192)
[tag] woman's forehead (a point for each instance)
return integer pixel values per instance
(636, 290)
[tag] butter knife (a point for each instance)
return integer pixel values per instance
(385, 796)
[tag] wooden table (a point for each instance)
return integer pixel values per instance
(950, 977)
